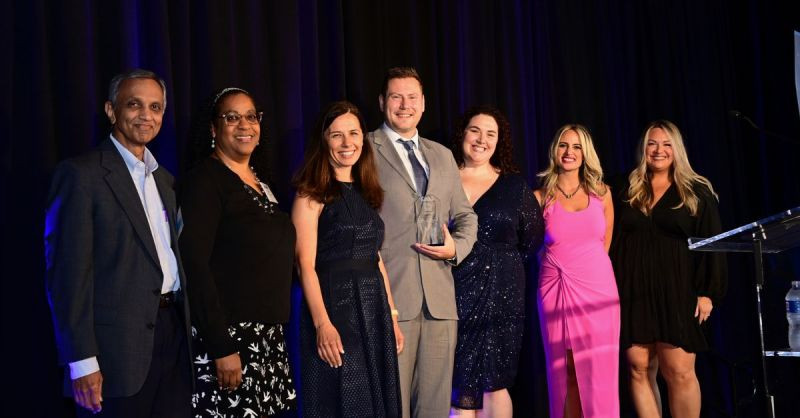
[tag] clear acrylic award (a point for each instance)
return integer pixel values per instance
(429, 226)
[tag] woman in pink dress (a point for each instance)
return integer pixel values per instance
(577, 297)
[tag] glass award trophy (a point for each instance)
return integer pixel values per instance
(429, 226)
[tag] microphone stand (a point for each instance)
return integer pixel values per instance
(741, 116)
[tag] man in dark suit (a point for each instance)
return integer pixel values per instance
(114, 278)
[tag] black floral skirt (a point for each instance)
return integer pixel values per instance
(267, 386)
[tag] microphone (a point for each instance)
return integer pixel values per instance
(741, 116)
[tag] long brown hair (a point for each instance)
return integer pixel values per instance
(316, 178)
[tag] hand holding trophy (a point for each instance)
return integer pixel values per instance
(433, 237)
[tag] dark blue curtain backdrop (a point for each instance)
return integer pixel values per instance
(612, 66)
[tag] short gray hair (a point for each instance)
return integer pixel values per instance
(113, 86)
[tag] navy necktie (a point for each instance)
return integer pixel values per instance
(420, 178)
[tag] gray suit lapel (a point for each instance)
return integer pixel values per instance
(387, 151)
(120, 182)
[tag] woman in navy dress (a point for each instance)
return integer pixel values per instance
(490, 282)
(349, 334)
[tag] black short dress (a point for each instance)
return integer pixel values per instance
(658, 278)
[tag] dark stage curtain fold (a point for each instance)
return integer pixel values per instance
(612, 66)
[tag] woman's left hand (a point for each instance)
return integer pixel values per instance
(703, 310)
(399, 339)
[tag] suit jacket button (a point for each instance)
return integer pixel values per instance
(150, 325)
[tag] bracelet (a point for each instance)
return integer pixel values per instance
(395, 312)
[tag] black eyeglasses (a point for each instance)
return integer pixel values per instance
(233, 118)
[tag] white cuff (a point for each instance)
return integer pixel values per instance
(83, 367)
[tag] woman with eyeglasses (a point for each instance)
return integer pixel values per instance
(238, 252)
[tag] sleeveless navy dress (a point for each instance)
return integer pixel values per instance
(349, 235)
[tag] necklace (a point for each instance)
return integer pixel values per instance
(568, 195)
(265, 201)
(262, 200)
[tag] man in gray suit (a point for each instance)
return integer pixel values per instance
(412, 168)
(114, 277)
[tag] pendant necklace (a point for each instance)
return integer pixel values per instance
(267, 201)
(568, 195)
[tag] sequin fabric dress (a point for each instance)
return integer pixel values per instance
(349, 235)
(579, 309)
(490, 291)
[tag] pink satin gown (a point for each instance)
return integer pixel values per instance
(579, 309)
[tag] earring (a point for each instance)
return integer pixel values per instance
(212, 142)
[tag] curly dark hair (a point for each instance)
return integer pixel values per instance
(316, 178)
(503, 157)
(200, 132)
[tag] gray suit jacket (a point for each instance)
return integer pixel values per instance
(103, 276)
(412, 275)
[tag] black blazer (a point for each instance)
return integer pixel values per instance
(103, 276)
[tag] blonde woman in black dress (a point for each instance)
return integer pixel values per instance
(666, 292)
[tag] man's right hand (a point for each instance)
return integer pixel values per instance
(88, 391)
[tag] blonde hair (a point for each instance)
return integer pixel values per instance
(590, 174)
(640, 192)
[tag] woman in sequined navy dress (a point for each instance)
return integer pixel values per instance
(490, 282)
(237, 249)
(349, 333)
